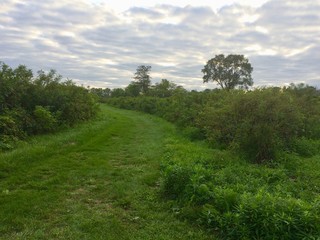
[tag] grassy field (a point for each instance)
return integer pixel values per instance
(99, 180)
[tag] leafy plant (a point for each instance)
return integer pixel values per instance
(38, 104)
(44, 120)
(239, 200)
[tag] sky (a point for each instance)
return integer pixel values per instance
(100, 43)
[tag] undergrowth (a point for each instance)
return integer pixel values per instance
(241, 200)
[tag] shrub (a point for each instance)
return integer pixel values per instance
(10, 132)
(306, 147)
(176, 178)
(193, 133)
(31, 105)
(44, 120)
(257, 123)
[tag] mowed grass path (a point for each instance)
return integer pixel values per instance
(99, 180)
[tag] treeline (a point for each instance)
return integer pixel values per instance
(39, 104)
(163, 89)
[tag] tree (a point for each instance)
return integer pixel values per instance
(38, 104)
(132, 90)
(228, 72)
(143, 78)
(102, 93)
(118, 92)
(14, 85)
(163, 89)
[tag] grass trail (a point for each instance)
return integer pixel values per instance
(96, 181)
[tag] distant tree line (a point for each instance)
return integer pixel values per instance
(39, 104)
(228, 72)
(141, 86)
(163, 89)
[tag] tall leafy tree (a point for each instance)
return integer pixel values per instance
(101, 92)
(14, 85)
(228, 72)
(133, 89)
(118, 92)
(163, 89)
(143, 78)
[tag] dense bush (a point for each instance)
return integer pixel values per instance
(44, 120)
(33, 105)
(257, 123)
(306, 147)
(9, 131)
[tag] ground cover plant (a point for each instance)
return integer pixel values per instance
(239, 200)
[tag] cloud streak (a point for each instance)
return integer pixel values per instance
(96, 46)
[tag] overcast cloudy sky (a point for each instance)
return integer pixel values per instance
(101, 43)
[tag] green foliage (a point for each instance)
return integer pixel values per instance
(271, 217)
(9, 126)
(44, 120)
(228, 72)
(163, 89)
(79, 105)
(264, 216)
(31, 105)
(257, 123)
(308, 100)
(306, 147)
(175, 181)
(132, 90)
(101, 93)
(142, 77)
(239, 200)
(9, 132)
(15, 124)
(14, 85)
(118, 92)
(143, 104)
(193, 133)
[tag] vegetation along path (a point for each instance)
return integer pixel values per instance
(96, 181)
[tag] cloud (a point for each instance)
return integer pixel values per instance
(96, 46)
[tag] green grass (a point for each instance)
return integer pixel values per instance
(99, 180)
